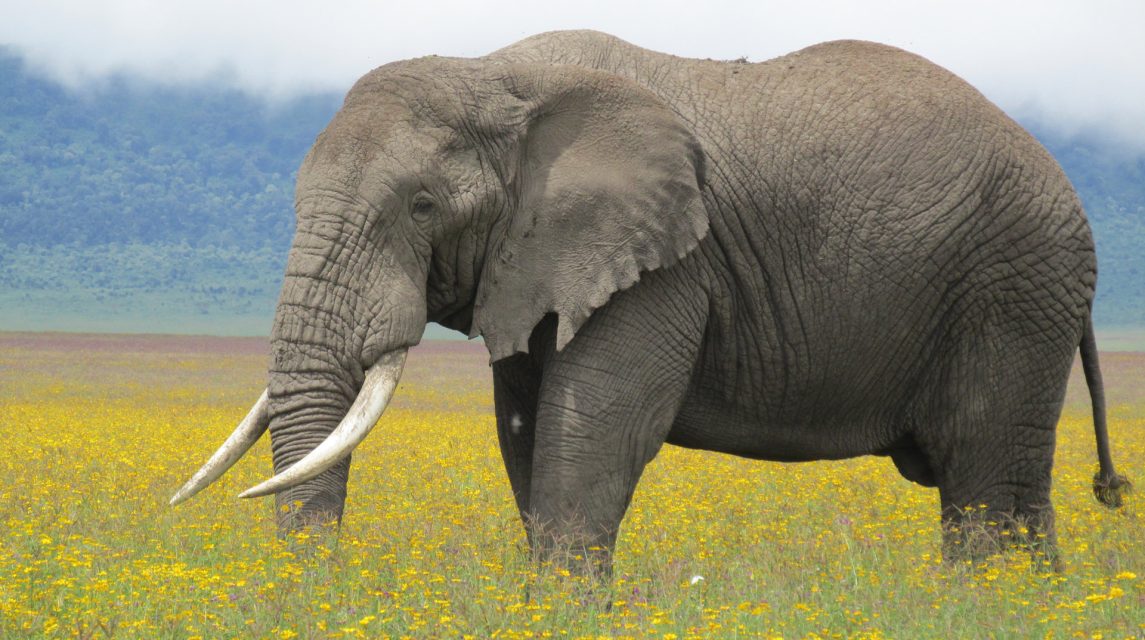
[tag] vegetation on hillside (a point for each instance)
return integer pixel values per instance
(1111, 183)
(143, 207)
(124, 193)
(128, 162)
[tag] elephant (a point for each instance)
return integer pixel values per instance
(843, 251)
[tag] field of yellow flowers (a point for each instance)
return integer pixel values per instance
(99, 431)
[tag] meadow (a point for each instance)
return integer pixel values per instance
(99, 431)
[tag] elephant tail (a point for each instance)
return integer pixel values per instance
(1108, 485)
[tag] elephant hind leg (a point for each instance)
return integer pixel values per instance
(1002, 500)
(990, 439)
(993, 472)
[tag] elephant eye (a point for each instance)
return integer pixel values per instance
(422, 207)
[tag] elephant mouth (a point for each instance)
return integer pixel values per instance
(377, 389)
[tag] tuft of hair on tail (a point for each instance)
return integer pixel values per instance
(1109, 486)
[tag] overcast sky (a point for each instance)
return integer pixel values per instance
(1074, 65)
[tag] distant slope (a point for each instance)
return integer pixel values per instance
(129, 162)
(139, 207)
(1111, 183)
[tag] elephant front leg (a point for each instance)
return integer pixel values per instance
(515, 400)
(607, 403)
(516, 388)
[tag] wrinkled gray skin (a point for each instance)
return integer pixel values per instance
(840, 252)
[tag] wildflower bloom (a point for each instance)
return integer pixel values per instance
(99, 431)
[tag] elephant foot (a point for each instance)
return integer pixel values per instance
(571, 552)
(571, 577)
(971, 535)
(568, 567)
(554, 584)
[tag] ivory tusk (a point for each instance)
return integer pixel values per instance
(244, 436)
(377, 389)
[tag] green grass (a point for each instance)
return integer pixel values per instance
(100, 431)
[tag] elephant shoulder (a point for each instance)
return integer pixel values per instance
(581, 47)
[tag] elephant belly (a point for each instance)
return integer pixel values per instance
(729, 429)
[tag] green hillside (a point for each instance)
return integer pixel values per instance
(1111, 182)
(138, 207)
(134, 206)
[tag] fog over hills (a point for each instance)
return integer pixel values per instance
(137, 205)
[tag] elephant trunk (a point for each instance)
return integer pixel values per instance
(380, 381)
(337, 351)
(331, 377)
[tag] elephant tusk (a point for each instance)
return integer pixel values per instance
(244, 436)
(377, 389)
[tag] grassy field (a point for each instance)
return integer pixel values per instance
(99, 431)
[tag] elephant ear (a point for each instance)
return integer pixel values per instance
(604, 184)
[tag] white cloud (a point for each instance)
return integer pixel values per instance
(1075, 65)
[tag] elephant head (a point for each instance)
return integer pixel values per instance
(477, 195)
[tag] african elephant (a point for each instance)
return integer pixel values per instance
(844, 251)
